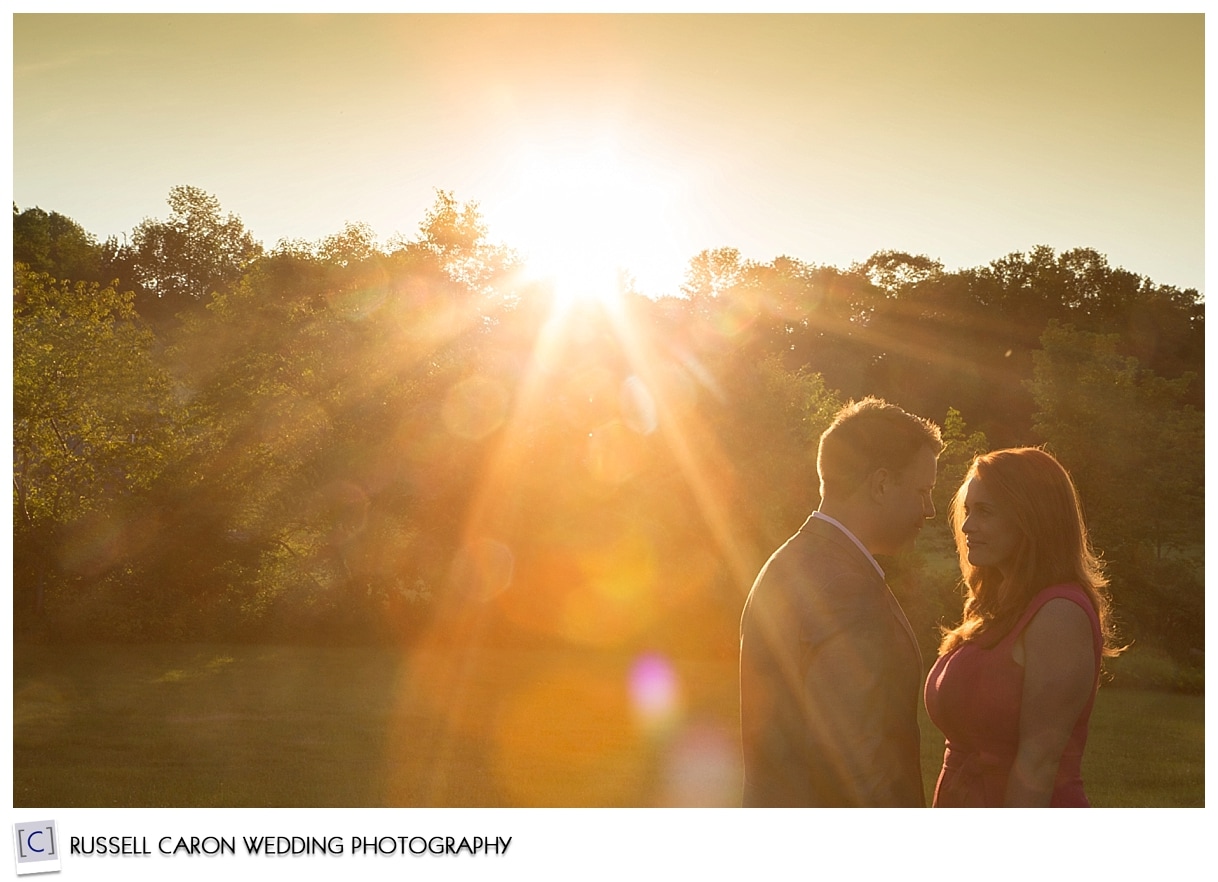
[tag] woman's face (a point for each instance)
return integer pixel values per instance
(989, 530)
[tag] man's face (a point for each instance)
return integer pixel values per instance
(907, 502)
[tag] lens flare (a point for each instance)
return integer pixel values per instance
(482, 569)
(475, 407)
(655, 693)
(566, 740)
(638, 406)
(615, 454)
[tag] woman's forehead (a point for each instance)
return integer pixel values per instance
(977, 491)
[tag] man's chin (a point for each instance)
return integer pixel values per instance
(893, 549)
(905, 544)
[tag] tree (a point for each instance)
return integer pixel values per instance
(49, 242)
(1135, 449)
(456, 236)
(355, 244)
(92, 420)
(960, 446)
(896, 271)
(180, 262)
(1137, 454)
(712, 273)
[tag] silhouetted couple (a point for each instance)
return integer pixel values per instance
(830, 670)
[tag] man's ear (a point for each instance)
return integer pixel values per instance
(878, 484)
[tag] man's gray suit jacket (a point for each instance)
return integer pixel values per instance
(830, 677)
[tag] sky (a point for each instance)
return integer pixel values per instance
(636, 139)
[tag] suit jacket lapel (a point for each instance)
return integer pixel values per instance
(899, 613)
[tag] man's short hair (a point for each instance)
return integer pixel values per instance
(868, 435)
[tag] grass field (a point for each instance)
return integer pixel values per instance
(287, 726)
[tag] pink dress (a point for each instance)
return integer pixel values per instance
(973, 694)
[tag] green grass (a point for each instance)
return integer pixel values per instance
(1146, 749)
(288, 726)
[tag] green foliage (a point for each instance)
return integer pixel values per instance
(772, 429)
(450, 227)
(56, 245)
(319, 434)
(1149, 667)
(960, 446)
(91, 411)
(183, 260)
(713, 273)
(93, 429)
(310, 382)
(351, 247)
(896, 272)
(1134, 448)
(456, 236)
(1136, 452)
(926, 580)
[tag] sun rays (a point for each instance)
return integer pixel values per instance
(559, 549)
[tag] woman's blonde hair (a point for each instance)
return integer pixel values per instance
(1036, 492)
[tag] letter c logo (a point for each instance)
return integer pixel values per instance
(29, 841)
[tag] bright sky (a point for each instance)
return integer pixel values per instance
(636, 140)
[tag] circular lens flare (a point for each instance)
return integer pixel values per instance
(655, 693)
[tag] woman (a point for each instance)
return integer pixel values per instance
(1015, 682)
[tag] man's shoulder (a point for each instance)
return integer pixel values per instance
(817, 556)
(823, 546)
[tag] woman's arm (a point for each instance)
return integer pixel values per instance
(1059, 675)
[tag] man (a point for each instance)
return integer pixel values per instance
(830, 672)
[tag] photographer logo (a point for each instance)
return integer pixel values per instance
(36, 845)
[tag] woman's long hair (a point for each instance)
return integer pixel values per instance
(1037, 493)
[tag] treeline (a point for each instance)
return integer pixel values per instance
(350, 440)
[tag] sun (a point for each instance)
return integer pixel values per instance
(588, 216)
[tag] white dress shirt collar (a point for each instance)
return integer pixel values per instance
(855, 539)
